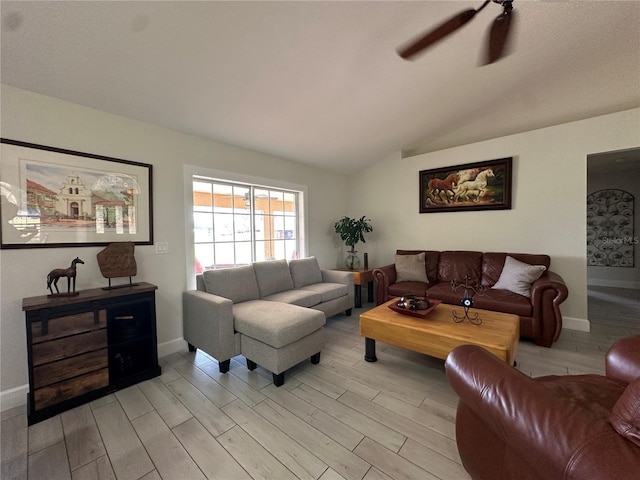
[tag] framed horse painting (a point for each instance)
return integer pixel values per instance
(471, 186)
(53, 197)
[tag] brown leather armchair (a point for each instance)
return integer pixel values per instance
(511, 426)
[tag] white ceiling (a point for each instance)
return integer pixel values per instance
(320, 82)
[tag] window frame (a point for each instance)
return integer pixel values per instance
(192, 172)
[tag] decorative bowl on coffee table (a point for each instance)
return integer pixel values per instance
(399, 307)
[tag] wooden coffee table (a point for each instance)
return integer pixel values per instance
(437, 334)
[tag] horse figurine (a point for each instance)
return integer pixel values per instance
(70, 273)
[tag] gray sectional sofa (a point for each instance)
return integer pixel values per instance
(271, 312)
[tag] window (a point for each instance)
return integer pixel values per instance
(238, 223)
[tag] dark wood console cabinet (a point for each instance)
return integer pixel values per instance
(85, 346)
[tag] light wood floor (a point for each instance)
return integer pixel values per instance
(343, 418)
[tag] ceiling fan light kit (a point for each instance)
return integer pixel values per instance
(498, 34)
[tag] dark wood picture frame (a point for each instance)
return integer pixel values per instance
(53, 197)
(471, 186)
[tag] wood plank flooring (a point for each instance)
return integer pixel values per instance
(342, 419)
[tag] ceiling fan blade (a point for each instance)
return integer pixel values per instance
(499, 36)
(438, 33)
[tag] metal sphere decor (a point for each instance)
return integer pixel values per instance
(466, 301)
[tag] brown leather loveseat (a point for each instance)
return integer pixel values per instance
(537, 304)
(511, 426)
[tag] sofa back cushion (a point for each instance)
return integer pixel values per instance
(493, 263)
(200, 283)
(431, 259)
(456, 265)
(305, 271)
(237, 284)
(517, 276)
(272, 277)
(411, 268)
(625, 416)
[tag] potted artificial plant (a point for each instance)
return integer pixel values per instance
(351, 232)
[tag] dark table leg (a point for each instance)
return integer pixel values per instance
(358, 295)
(370, 291)
(370, 350)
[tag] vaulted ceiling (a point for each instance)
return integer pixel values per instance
(320, 82)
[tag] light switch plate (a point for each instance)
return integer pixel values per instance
(162, 247)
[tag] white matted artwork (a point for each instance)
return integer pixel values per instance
(53, 197)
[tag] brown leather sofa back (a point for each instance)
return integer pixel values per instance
(483, 267)
(432, 259)
(456, 265)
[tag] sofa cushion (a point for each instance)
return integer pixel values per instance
(328, 291)
(409, 288)
(305, 271)
(431, 260)
(411, 268)
(591, 393)
(625, 416)
(495, 300)
(517, 276)
(237, 284)
(272, 277)
(442, 291)
(493, 263)
(504, 301)
(302, 298)
(456, 265)
(274, 323)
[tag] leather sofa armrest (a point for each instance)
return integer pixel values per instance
(547, 293)
(207, 322)
(557, 439)
(382, 278)
(622, 361)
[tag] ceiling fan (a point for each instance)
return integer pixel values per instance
(498, 35)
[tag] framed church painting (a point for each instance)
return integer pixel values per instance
(52, 197)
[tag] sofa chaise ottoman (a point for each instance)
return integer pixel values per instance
(271, 312)
(516, 283)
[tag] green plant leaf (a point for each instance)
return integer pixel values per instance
(352, 231)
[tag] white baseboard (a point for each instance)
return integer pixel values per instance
(580, 324)
(172, 346)
(603, 282)
(13, 397)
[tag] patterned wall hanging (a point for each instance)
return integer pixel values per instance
(610, 239)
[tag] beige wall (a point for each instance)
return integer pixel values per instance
(43, 120)
(548, 213)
